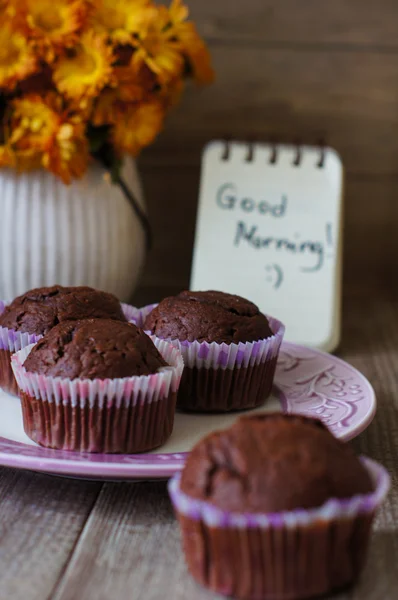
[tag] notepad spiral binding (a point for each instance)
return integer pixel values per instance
(275, 150)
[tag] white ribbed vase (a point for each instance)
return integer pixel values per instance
(85, 233)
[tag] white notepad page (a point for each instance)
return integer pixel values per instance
(270, 230)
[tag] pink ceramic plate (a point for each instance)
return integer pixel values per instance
(307, 382)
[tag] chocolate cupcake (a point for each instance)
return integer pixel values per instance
(33, 314)
(229, 348)
(98, 385)
(276, 507)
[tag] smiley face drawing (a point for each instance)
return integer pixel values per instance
(274, 275)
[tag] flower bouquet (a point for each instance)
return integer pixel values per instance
(90, 78)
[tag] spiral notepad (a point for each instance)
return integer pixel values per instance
(269, 229)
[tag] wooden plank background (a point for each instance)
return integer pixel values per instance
(312, 71)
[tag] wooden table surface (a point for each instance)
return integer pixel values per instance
(80, 540)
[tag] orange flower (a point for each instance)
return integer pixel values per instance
(156, 47)
(87, 70)
(27, 161)
(137, 126)
(34, 122)
(13, 12)
(7, 157)
(129, 87)
(70, 154)
(106, 108)
(178, 12)
(192, 45)
(53, 24)
(17, 59)
(117, 18)
(132, 85)
(43, 134)
(170, 94)
(67, 66)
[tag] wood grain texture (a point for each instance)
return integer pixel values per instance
(40, 521)
(310, 22)
(130, 545)
(348, 100)
(172, 195)
(130, 548)
(370, 241)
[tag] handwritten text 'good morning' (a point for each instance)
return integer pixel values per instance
(249, 235)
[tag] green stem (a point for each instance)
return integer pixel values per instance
(140, 213)
(106, 157)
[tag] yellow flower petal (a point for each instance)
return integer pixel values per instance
(87, 71)
(170, 94)
(33, 124)
(117, 18)
(69, 157)
(27, 160)
(192, 45)
(7, 157)
(137, 126)
(55, 22)
(156, 48)
(43, 134)
(106, 108)
(178, 11)
(195, 51)
(17, 59)
(130, 86)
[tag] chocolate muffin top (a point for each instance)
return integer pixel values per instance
(94, 348)
(208, 317)
(40, 309)
(273, 463)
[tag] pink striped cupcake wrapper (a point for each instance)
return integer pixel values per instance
(128, 415)
(279, 556)
(11, 341)
(224, 377)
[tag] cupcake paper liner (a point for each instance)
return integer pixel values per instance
(11, 341)
(128, 415)
(279, 556)
(128, 311)
(224, 377)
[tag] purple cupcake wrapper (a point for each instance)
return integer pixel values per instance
(210, 515)
(138, 315)
(117, 392)
(223, 356)
(128, 311)
(13, 341)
